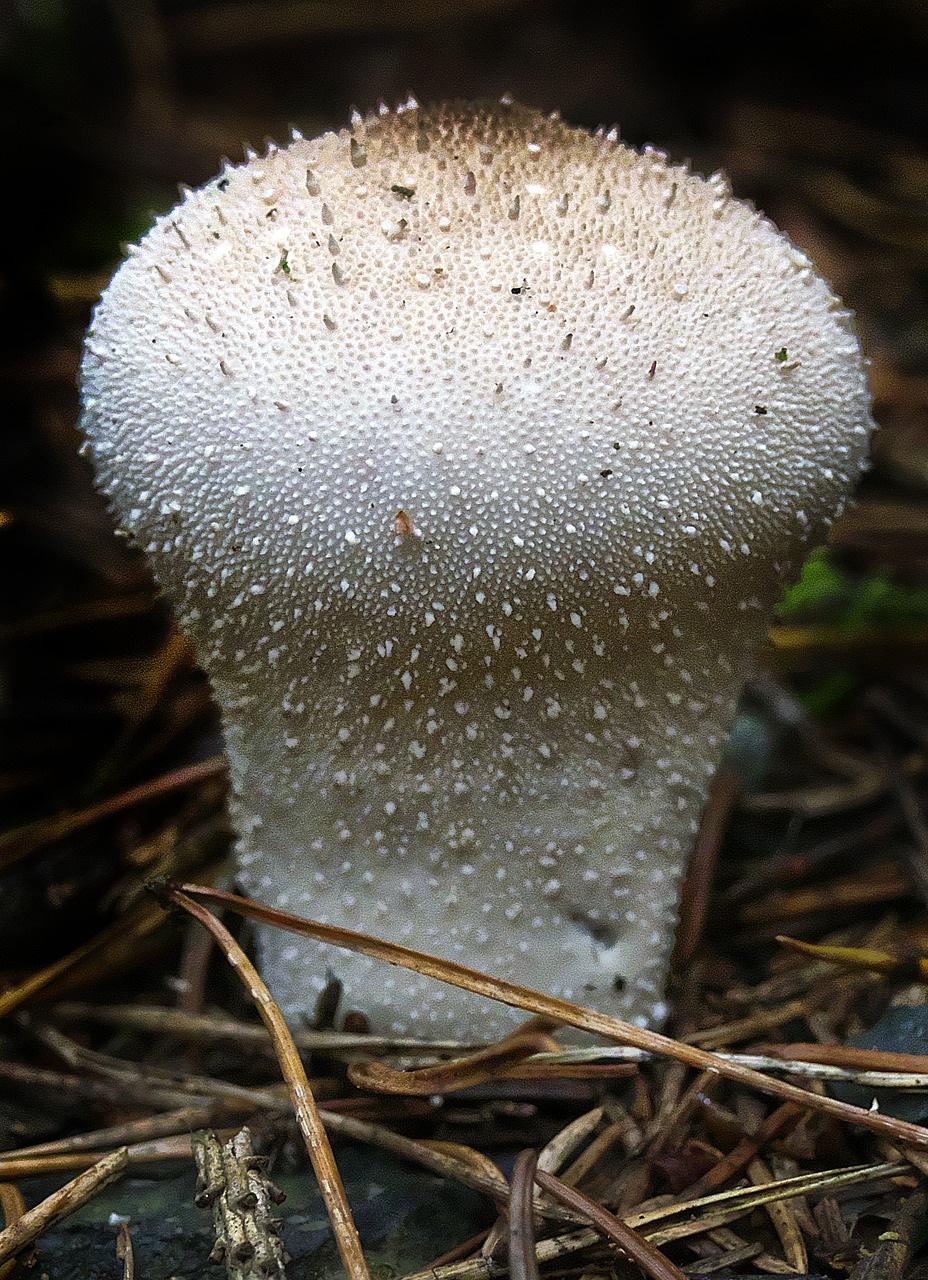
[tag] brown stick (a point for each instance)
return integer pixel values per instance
(744, 1152)
(77, 1192)
(13, 1207)
(447, 1077)
(523, 1264)
(166, 1124)
(846, 1055)
(304, 1104)
(21, 841)
(694, 896)
(648, 1256)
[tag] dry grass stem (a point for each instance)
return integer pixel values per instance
(747, 1028)
(13, 1207)
(722, 1259)
(726, 1239)
(870, 1061)
(746, 1149)
(12, 1165)
(304, 1105)
(636, 1246)
(65, 1084)
(124, 1251)
(899, 1131)
(138, 923)
(563, 1145)
(719, 1210)
(164, 1125)
(902, 1078)
(506, 1059)
(520, 1233)
(676, 1109)
(917, 1159)
(21, 841)
(622, 1131)
(57, 1206)
(462, 1250)
(476, 1160)
(694, 897)
(122, 1070)
(209, 1028)
(861, 959)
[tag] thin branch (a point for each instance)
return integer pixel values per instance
(304, 1104)
(165, 1124)
(448, 1077)
(523, 1264)
(21, 841)
(57, 1206)
(647, 1256)
(207, 1028)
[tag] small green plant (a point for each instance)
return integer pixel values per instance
(856, 605)
(828, 594)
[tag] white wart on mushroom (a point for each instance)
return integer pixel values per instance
(472, 449)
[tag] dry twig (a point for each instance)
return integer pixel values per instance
(13, 1206)
(638, 1248)
(124, 1251)
(58, 1205)
(231, 1181)
(523, 1265)
(304, 1105)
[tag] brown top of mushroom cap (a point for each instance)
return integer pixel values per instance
(528, 351)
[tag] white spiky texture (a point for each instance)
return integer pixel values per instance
(472, 450)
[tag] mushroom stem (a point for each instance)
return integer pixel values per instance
(540, 821)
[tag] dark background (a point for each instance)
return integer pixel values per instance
(818, 111)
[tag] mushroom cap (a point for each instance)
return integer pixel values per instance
(471, 448)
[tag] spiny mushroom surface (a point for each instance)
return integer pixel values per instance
(472, 449)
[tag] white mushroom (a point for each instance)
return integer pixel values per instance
(472, 450)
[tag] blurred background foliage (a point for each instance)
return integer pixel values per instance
(818, 112)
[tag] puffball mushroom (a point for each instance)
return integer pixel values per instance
(472, 449)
